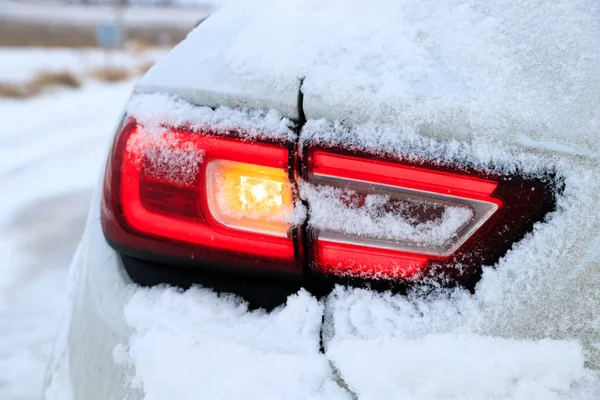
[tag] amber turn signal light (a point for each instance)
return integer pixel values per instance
(249, 197)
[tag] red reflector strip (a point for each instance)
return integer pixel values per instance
(387, 173)
(364, 262)
(162, 198)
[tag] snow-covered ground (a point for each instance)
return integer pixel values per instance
(51, 150)
(19, 65)
(64, 13)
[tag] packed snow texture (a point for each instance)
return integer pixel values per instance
(332, 209)
(458, 68)
(197, 343)
(167, 157)
(192, 342)
(464, 366)
(157, 111)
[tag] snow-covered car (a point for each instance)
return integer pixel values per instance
(377, 199)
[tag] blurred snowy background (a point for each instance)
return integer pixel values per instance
(60, 96)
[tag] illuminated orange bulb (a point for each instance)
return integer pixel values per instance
(261, 194)
(249, 197)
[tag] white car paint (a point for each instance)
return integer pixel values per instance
(83, 366)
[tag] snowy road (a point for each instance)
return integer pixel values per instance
(51, 150)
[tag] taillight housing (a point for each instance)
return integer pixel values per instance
(395, 219)
(219, 201)
(161, 202)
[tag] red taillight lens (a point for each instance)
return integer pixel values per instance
(396, 220)
(197, 195)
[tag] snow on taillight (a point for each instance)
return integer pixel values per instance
(200, 196)
(372, 218)
(225, 200)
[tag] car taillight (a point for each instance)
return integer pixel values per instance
(392, 219)
(216, 199)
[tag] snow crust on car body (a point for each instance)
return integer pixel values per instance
(210, 345)
(545, 286)
(157, 112)
(203, 69)
(512, 71)
(535, 308)
(508, 70)
(464, 366)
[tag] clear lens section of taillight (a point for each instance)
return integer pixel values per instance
(200, 196)
(392, 217)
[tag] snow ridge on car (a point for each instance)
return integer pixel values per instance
(458, 69)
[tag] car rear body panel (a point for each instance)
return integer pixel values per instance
(203, 69)
(85, 362)
(451, 70)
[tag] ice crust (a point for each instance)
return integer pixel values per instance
(179, 163)
(197, 344)
(503, 69)
(155, 111)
